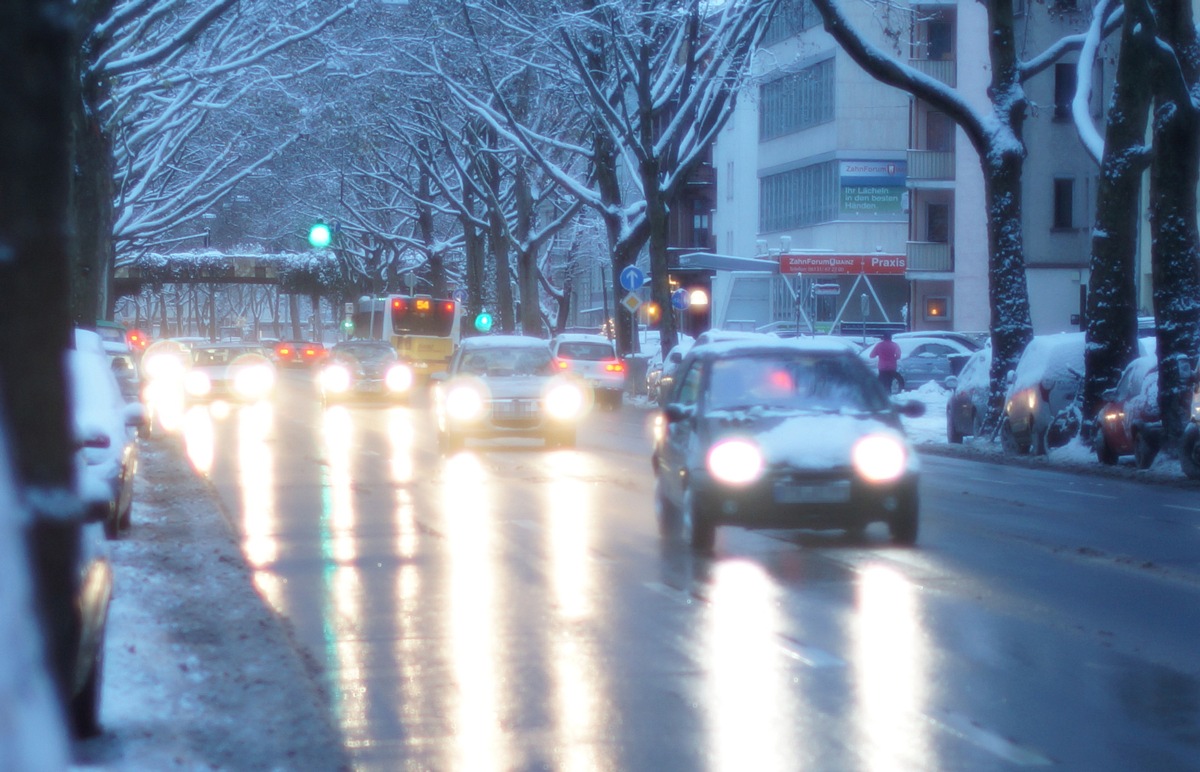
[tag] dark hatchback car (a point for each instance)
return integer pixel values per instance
(1129, 422)
(782, 434)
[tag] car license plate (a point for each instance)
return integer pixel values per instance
(515, 408)
(837, 492)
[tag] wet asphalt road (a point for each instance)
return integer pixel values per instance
(512, 607)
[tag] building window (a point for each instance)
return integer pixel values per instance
(796, 101)
(791, 18)
(939, 132)
(937, 223)
(941, 41)
(701, 223)
(799, 197)
(1064, 204)
(937, 309)
(1064, 90)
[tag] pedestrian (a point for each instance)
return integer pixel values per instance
(887, 351)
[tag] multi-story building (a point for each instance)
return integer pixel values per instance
(824, 167)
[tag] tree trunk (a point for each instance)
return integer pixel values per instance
(37, 50)
(1174, 240)
(1112, 286)
(1008, 293)
(527, 267)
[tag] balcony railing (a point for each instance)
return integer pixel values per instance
(931, 164)
(929, 256)
(943, 70)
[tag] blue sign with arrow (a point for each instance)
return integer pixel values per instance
(632, 278)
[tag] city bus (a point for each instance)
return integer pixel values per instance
(423, 329)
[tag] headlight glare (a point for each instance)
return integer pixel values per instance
(253, 381)
(735, 462)
(564, 401)
(399, 378)
(879, 458)
(335, 378)
(197, 384)
(464, 403)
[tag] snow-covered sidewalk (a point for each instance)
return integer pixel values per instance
(200, 673)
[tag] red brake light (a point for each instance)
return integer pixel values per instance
(615, 367)
(283, 351)
(398, 304)
(562, 364)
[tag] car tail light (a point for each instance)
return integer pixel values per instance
(561, 364)
(283, 351)
(615, 367)
(310, 352)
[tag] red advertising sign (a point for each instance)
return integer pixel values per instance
(877, 264)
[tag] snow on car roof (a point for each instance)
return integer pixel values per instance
(505, 341)
(582, 337)
(759, 341)
(1049, 356)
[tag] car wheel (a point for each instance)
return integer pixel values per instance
(696, 527)
(1189, 452)
(664, 511)
(905, 521)
(85, 706)
(1104, 453)
(953, 436)
(976, 423)
(1008, 441)
(1144, 450)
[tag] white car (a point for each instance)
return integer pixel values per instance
(105, 428)
(594, 359)
(234, 370)
(506, 386)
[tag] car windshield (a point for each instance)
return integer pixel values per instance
(366, 354)
(589, 352)
(204, 357)
(801, 381)
(501, 362)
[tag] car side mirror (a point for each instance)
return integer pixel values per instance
(951, 382)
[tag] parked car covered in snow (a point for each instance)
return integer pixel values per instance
(1129, 422)
(966, 407)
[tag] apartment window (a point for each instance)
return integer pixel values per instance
(1064, 204)
(937, 309)
(937, 223)
(796, 101)
(791, 18)
(701, 223)
(798, 197)
(1064, 90)
(939, 132)
(941, 40)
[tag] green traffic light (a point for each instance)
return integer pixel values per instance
(348, 325)
(319, 235)
(483, 322)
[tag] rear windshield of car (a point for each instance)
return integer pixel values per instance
(802, 381)
(501, 362)
(588, 352)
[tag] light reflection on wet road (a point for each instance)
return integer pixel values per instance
(511, 607)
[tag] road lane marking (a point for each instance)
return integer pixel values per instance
(991, 480)
(964, 728)
(1179, 506)
(1081, 493)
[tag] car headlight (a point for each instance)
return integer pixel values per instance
(464, 403)
(879, 458)
(335, 379)
(1031, 399)
(399, 378)
(197, 384)
(253, 381)
(564, 401)
(162, 367)
(735, 462)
